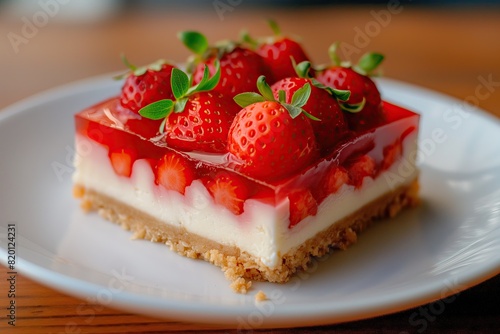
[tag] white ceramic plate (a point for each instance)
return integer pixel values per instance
(447, 244)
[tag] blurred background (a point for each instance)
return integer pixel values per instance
(443, 45)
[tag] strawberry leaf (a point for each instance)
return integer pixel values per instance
(300, 97)
(282, 96)
(207, 82)
(127, 63)
(265, 89)
(157, 65)
(180, 83)
(332, 53)
(339, 94)
(157, 110)
(274, 27)
(246, 99)
(194, 41)
(162, 125)
(353, 108)
(246, 38)
(180, 104)
(294, 111)
(369, 62)
(308, 115)
(302, 69)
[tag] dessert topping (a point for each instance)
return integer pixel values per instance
(364, 106)
(199, 118)
(272, 139)
(278, 52)
(145, 85)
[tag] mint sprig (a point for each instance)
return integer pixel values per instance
(295, 108)
(181, 89)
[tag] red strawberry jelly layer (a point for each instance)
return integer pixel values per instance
(120, 130)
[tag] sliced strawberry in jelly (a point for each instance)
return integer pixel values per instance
(302, 204)
(174, 172)
(363, 167)
(122, 161)
(391, 153)
(334, 178)
(229, 190)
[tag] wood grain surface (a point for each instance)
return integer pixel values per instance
(453, 51)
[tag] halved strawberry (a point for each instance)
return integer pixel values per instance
(363, 166)
(302, 204)
(174, 172)
(228, 190)
(392, 153)
(122, 161)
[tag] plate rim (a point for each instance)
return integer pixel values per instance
(184, 310)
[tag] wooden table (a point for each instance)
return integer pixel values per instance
(456, 52)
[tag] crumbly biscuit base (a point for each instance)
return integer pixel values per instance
(238, 265)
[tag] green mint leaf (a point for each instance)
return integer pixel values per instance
(353, 108)
(302, 69)
(180, 105)
(180, 83)
(194, 41)
(157, 110)
(246, 99)
(274, 27)
(265, 89)
(332, 53)
(301, 95)
(369, 62)
(294, 111)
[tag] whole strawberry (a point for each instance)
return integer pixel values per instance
(269, 139)
(145, 85)
(364, 106)
(240, 67)
(279, 52)
(198, 119)
(322, 104)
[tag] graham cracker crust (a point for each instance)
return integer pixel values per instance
(239, 266)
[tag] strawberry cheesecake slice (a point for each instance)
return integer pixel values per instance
(256, 183)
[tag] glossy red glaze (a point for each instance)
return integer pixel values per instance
(116, 128)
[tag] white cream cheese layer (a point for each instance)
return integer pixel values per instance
(261, 230)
